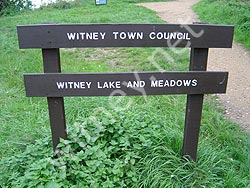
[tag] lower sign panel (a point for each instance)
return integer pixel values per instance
(124, 84)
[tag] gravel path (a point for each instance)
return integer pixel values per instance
(236, 61)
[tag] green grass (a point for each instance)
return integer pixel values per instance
(228, 12)
(140, 145)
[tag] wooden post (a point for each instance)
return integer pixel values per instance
(51, 64)
(198, 62)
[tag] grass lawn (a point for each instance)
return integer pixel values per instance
(137, 145)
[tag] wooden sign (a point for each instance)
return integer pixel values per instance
(110, 84)
(124, 35)
(195, 83)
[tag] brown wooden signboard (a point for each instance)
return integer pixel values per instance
(110, 84)
(124, 35)
(195, 83)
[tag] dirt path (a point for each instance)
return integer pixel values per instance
(236, 61)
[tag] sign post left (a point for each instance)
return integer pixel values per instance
(51, 64)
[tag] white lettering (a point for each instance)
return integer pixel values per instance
(172, 35)
(174, 83)
(168, 35)
(123, 35)
(159, 36)
(76, 85)
(118, 84)
(86, 36)
(70, 84)
(129, 84)
(82, 85)
(180, 36)
(152, 35)
(73, 85)
(131, 35)
(116, 35)
(179, 83)
(95, 36)
(109, 85)
(60, 85)
(154, 83)
(140, 35)
(166, 83)
(89, 36)
(186, 83)
(187, 37)
(128, 35)
(194, 83)
(105, 85)
(71, 36)
(141, 85)
(102, 35)
(82, 35)
(133, 84)
(160, 83)
(98, 85)
(88, 84)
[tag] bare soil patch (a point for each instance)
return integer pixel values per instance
(236, 61)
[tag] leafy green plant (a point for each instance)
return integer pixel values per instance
(100, 153)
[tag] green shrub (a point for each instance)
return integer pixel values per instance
(10, 7)
(98, 153)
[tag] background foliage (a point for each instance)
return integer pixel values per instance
(11, 7)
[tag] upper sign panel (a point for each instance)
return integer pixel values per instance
(124, 35)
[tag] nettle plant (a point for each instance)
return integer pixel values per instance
(99, 152)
